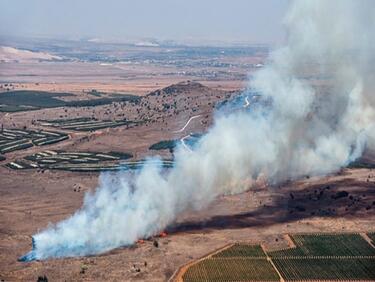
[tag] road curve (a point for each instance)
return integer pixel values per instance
(190, 119)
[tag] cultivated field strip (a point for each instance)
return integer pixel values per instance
(336, 245)
(85, 123)
(242, 250)
(326, 257)
(315, 257)
(240, 262)
(82, 161)
(326, 269)
(235, 269)
(18, 139)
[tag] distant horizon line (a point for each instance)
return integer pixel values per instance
(144, 41)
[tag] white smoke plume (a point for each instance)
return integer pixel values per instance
(316, 115)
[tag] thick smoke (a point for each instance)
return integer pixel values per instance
(315, 116)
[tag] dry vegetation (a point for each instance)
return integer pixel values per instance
(33, 198)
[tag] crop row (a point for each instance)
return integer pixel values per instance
(326, 269)
(85, 124)
(17, 139)
(327, 245)
(24, 100)
(372, 237)
(234, 269)
(83, 161)
(242, 250)
(87, 167)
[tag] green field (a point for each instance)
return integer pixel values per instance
(339, 257)
(231, 269)
(85, 123)
(242, 250)
(82, 161)
(241, 262)
(326, 268)
(327, 245)
(26, 100)
(164, 145)
(18, 139)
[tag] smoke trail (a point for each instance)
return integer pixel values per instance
(302, 126)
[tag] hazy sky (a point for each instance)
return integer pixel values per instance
(255, 21)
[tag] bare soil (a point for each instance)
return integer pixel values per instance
(32, 199)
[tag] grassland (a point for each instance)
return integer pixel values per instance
(18, 139)
(26, 100)
(85, 123)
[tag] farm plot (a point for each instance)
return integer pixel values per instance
(327, 245)
(233, 269)
(86, 124)
(123, 166)
(18, 139)
(326, 268)
(326, 257)
(82, 161)
(240, 262)
(320, 257)
(27, 100)
(242, 250)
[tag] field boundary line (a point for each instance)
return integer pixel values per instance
(290, 241)
(324, 257)
(178, 274)
(367, 238)
(271, 262)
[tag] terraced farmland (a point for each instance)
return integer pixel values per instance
(81, 161)
(85, 124)
(18, 139)
(240, 262)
